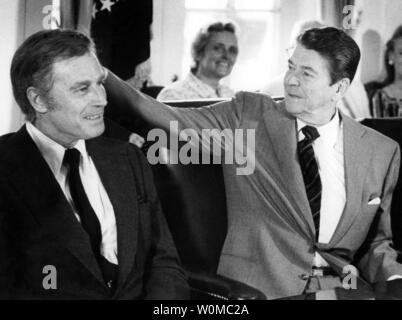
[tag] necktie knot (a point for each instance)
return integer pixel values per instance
(311, 133)
(72, 158)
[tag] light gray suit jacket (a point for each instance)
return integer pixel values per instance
(270, 242)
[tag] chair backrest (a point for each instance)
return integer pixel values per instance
(371, 88)
(196, 103)
(392, 127)
(152, 91)
(194, 203)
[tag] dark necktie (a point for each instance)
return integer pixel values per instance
(89, 220)
(310, 173)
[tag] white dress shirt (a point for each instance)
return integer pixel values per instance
(53, 153)
(328, 149)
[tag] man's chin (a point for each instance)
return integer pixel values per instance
(101, 130)
(97, 131)
(292, 107)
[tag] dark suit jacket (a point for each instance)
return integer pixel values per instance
(38, 228)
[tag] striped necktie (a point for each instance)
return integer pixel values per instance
(310, 173)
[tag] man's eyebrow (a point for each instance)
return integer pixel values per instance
(78, 84)
(307, 68)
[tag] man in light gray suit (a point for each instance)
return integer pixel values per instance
(319, 198)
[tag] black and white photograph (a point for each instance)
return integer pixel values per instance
(201, 154)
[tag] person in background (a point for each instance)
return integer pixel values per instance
(354, 103)
(214, 52)
(387, 100)
(81, 207)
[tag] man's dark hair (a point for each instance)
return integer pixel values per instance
(339, 49)
(204, 35)
(33, 62)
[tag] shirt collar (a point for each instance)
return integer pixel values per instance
(328, 132)
(52, 152)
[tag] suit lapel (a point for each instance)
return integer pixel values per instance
(117, 177)
(282, 133)
(32, 178)
(357, 155)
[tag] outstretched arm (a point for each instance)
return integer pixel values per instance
(127, 100)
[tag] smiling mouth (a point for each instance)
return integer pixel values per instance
(293, 96)
(223, 64)
(94, 117)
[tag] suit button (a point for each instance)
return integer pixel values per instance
(304, 276)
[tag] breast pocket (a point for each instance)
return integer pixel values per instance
(371, 209)
(371, 202)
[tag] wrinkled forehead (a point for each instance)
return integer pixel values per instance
(79, 68)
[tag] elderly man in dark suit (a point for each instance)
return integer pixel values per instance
(316, 199)
(79, 214)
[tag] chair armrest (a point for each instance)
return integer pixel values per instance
(213, 286)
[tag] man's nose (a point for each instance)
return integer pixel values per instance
(99, 96)
(291, 78)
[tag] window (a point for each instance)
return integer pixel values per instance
(258, 22)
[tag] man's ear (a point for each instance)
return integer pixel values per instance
(38, 102)
(341, 88)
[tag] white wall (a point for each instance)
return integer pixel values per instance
(378, 21)
(12, 14)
